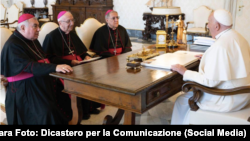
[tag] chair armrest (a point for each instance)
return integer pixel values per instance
(206, 27)
(190, 22)
(13, 22)
(7, 24)
(4, 21)
(4, 82)
(49, 16)
(198, 89)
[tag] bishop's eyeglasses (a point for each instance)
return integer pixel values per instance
(68, 21)
(113, 18)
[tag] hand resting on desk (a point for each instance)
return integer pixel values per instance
(179, 68)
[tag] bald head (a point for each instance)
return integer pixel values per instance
(218, 23)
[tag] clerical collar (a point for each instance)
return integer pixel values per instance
(62, 31)
(111, 28)
(17, 33)
(217, 36)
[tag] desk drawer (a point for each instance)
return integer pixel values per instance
(164, 90)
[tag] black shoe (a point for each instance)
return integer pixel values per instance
(95, 111)
(86, 117)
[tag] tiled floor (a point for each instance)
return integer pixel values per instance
(159, 115)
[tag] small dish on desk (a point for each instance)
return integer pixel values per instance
(134, 65)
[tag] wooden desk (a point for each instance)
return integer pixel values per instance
(108, 81)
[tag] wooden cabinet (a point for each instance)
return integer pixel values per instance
(83, 9)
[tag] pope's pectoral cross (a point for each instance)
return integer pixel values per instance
(71, 52)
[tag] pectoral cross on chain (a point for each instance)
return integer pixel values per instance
(72, 52)
(115, 52)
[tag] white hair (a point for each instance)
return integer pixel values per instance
(25, 23)
(107, 16)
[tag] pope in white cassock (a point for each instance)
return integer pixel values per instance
(225, 65)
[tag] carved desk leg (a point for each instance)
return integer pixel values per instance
(76, 109)
(129, 118)
(110, 121)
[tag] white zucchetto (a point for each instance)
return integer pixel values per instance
(223, 17)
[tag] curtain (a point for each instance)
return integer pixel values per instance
(231, 6)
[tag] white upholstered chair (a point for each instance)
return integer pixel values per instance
(20, 6)
(13, 15)
(5, 3)
(200, 21)
(5, 34)
(3, 13)
(45, 29)
(50, 14)
(86, 32)
(198, 116)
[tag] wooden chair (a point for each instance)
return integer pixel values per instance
(86, 32)
(5, 3)
(45, 29)
(3, 13)
(200, 22)
(13, 15)
(20, 5)
(50, 14)
(198, 116)
(5, 34)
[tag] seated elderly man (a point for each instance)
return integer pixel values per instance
(226, 64)
(30, 97)
(111, 39)
(62, 45)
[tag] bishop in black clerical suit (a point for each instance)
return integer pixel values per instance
(111, 39)
(64, 46)
(30, 97)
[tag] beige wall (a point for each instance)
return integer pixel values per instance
(131, 11)
(242, 24)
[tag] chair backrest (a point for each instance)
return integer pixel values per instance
(45, 29)
(3, 12)
(86, 31)
(13, 14)
(201, 15)
(20, 5)
(50, 12)
(50, 8)
(5, 34)
(5, 3)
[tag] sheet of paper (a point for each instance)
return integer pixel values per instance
(92, 59)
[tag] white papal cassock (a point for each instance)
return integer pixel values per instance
(225, 65)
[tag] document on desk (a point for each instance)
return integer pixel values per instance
(92, 59)
(165, 61)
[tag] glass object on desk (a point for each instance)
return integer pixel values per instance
(32, 3)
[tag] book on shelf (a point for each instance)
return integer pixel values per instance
(165, 61)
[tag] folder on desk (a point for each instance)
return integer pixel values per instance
(165, 61)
